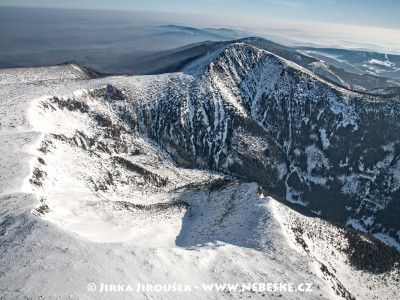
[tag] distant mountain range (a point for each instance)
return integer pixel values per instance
(352, 74)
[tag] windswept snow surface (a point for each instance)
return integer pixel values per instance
(88, 199)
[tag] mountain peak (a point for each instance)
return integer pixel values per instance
(238, 54)
(247, 56)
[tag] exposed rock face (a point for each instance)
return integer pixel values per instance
(257, 116)
(246, 112)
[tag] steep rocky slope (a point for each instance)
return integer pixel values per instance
(133, 176)
(252, 114)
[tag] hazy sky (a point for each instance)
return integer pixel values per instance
(365, 24)
(376, 13)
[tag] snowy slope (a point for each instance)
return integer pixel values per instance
(247, 112)
(333, 248)
(94, 189)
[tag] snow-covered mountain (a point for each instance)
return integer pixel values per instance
(186, 178)
(262, 118)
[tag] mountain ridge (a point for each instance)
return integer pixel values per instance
(140, 173)
(342, 107)
(177, 60)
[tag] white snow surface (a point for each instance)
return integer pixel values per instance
(81, 225)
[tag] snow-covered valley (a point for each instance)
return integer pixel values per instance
(136, 179)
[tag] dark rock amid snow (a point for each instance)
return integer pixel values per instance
(252, 114)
